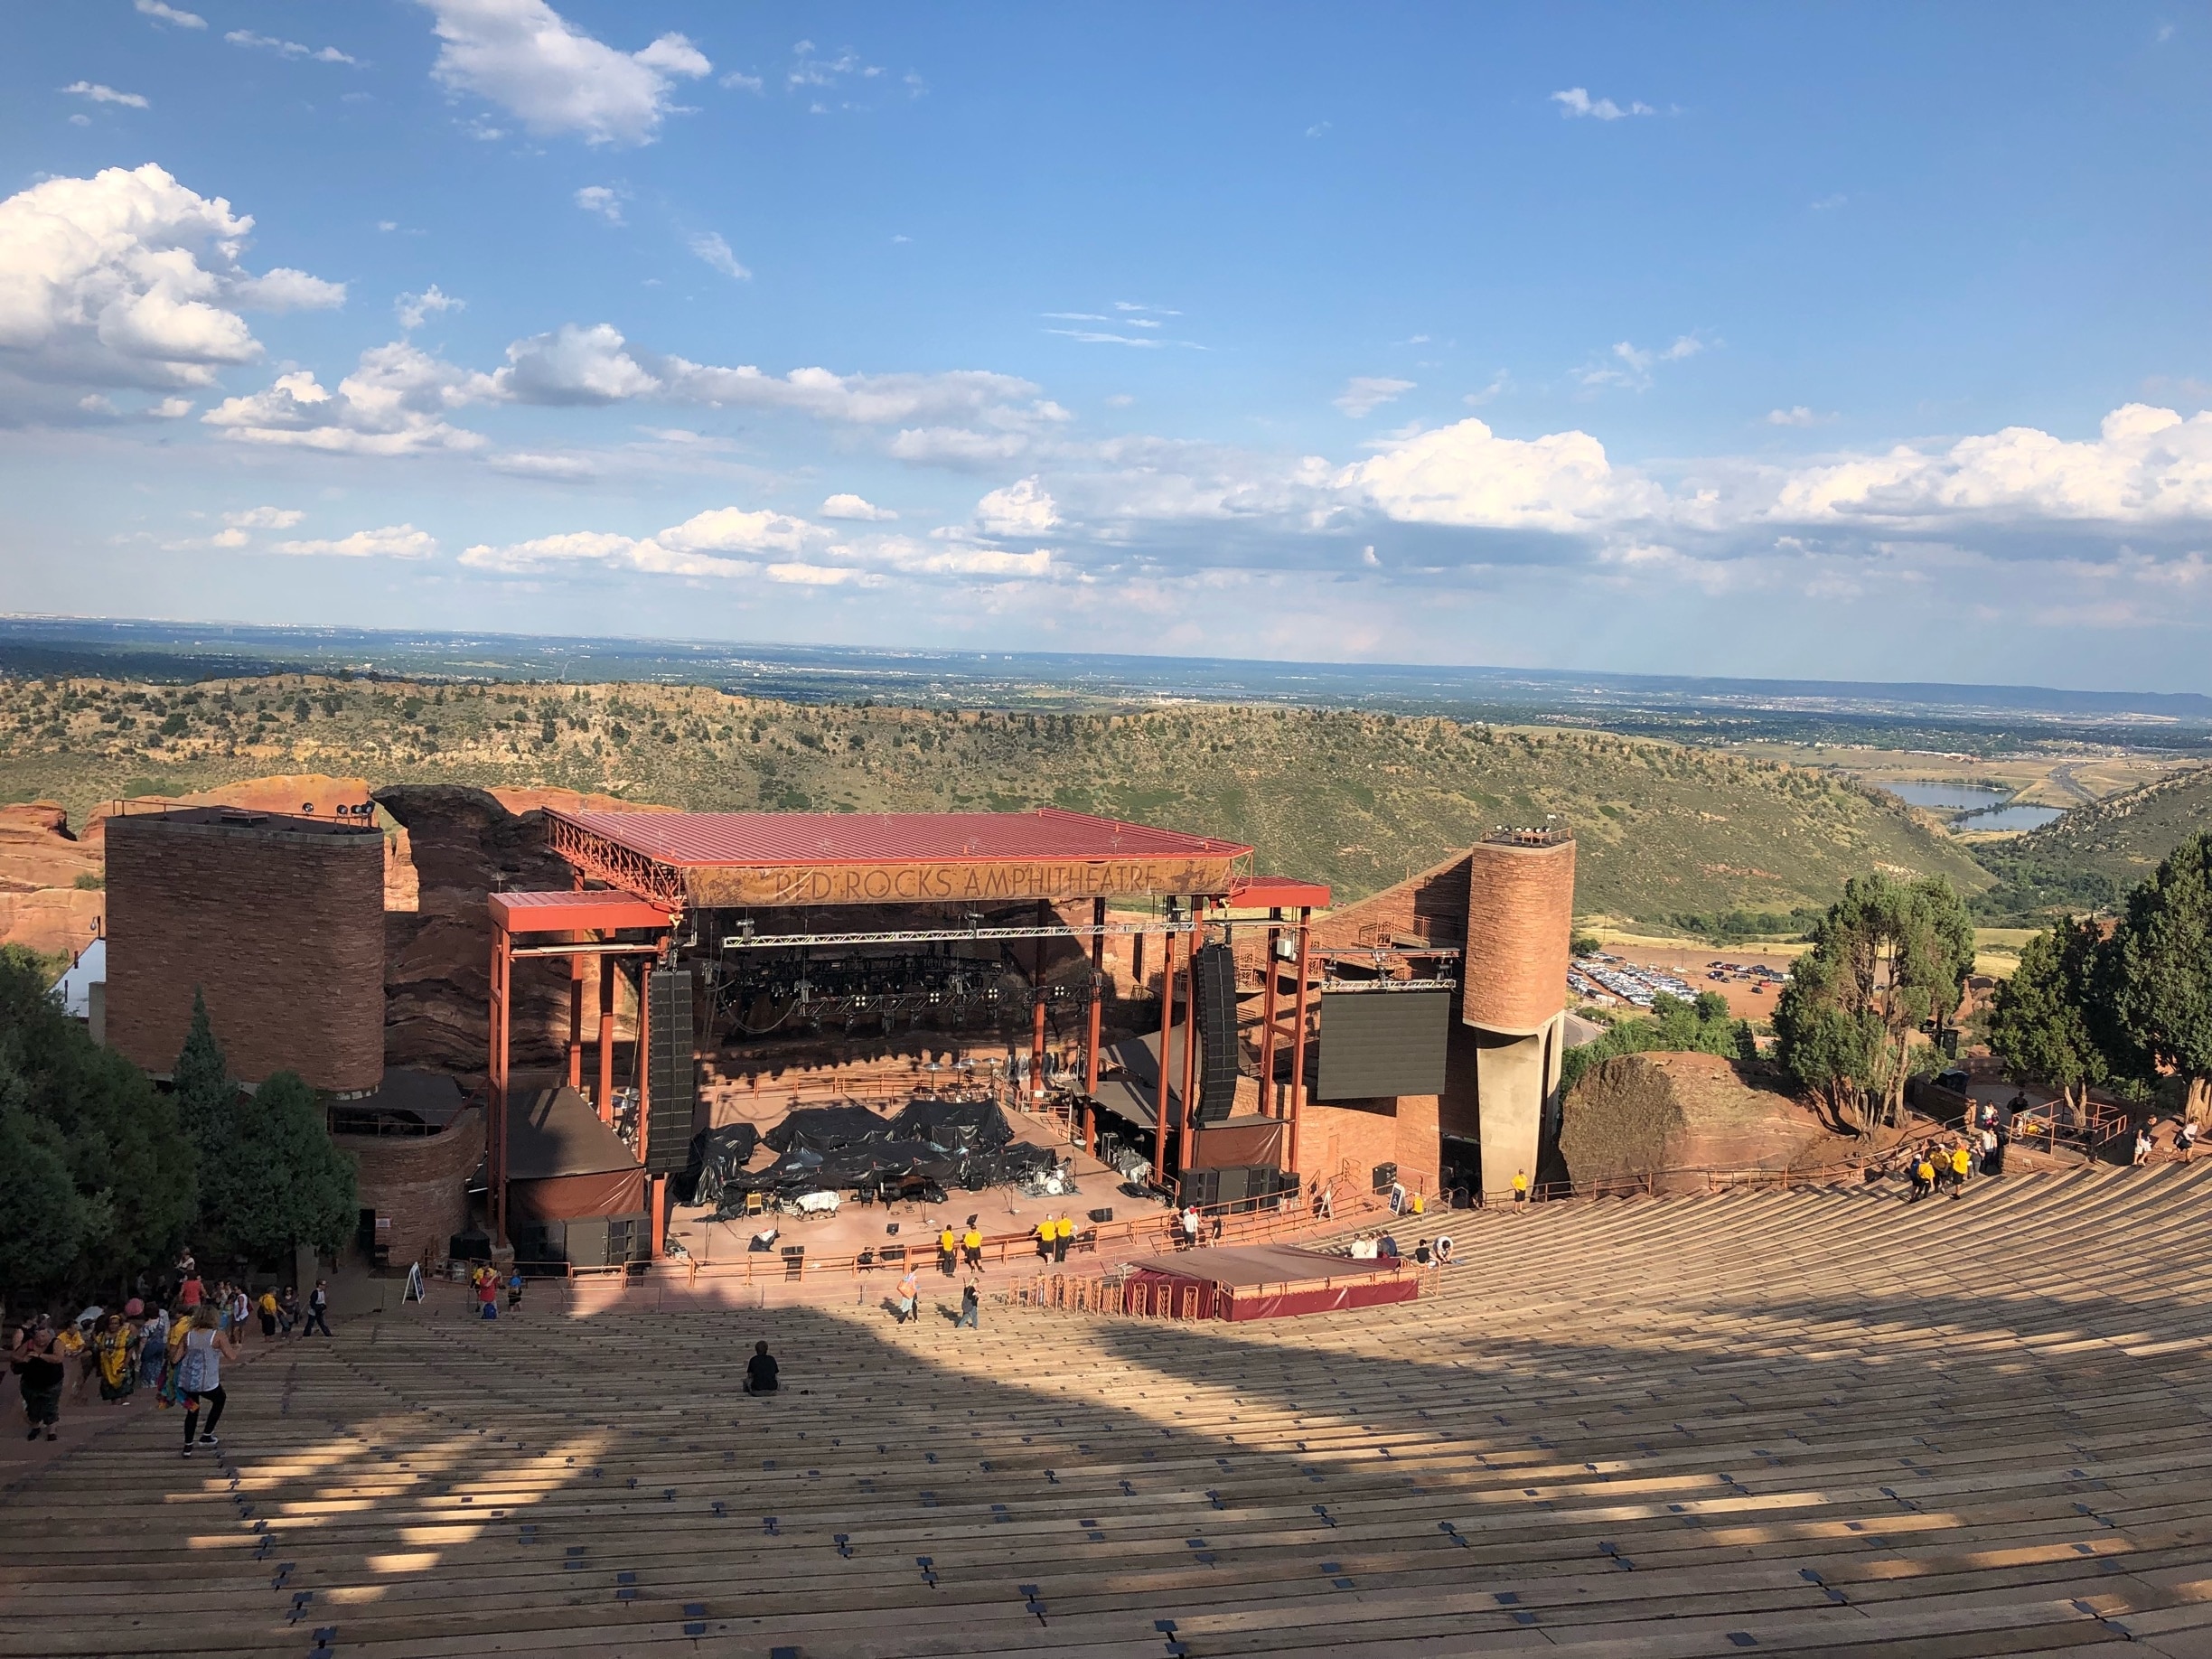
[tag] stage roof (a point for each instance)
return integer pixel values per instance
(698, 860)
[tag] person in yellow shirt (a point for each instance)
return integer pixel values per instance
(1962, 1161)
(1520, 1186)
(1064, 1231)
(1047, 1230)
(1416, 1204)
(971, 1246)
(267, 1309)
(1923, 1180)
(948, 1247)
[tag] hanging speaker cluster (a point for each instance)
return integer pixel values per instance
(1215, 972)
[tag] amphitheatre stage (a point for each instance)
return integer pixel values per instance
(1811, 1421)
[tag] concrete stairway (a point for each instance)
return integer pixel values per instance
(1790, 1422)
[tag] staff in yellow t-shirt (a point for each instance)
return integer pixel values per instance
(1064, 1231)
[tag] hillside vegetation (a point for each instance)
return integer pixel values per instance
(1358, 800)
(2088, 859)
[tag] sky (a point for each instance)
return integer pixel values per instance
(1851, 342)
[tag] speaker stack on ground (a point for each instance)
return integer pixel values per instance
(1215, 972)
(1240, 1186)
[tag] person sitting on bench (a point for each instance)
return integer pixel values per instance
(760, 1373)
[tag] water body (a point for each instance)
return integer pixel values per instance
(1975, 806)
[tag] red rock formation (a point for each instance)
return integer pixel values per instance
(37, 849)
(464, 845)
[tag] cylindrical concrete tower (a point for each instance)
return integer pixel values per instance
(1514, 991)
(278, 920)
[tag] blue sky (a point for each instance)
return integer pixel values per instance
(1851, 342)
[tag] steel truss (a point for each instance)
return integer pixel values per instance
(948, 935)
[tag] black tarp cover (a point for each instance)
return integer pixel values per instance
(845, 1147)
(718, 1156)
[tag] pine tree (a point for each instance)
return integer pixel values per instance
(204, 1091)
(2163, 978)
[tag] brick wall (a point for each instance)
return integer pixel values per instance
(280, 922)
(420, 1181)
(1519, 919)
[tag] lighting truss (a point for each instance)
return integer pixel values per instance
(949, 935)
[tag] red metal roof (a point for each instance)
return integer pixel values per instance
(733, 839)
(1277, 892)
(572, 912)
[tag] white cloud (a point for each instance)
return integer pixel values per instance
(1020, 508)
(159, 13)
(1465, 474)
(956, 446)
(602, 199)
(393, 541)
(392, 404)
(739, 81)
(595, 364)
(1800, 415)
(1500, 383)
(526, 57)
(1363, 394)
(846, 506)
(529, 463)
(1632, 365)
(289, 49)
(264, 517)
(731, 530)
(106, 95)
(285, 289)
(172, 408)
(2146, 466)
(710, 247)
(1576, 101)
(414, 309)
(128, 278)
(816, 575)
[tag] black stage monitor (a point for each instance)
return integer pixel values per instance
(1375, 1043)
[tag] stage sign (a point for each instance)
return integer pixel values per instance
(1377, 1044)
(952, 883)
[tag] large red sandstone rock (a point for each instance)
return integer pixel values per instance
(465, 845)
(1641, 1115)
(53, 921)
(37, 849)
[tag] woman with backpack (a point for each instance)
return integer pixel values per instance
(200, 1375)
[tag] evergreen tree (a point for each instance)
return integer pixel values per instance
(202, 1082)
(277, 1180)
(2162, 978)
(127, 1187)
(1888, 957)
(2051, 1022)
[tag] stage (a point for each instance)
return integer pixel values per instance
(1268, 1282)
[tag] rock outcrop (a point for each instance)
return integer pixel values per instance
(464, 844)
(1636, 1117)
(37, 849)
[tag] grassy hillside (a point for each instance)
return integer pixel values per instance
(2089, 859)
(1358, 800)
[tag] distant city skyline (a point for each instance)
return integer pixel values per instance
(1843, 343)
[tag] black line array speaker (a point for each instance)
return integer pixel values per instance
(1217, 1033)
(608, 1240)
(672, 1073)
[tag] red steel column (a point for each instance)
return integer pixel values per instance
(606, 1102)
(1298, 1026)
(1091, 1042)
(1268, 1105)
(575, 1022)
(1159, 1123)
(495, 1090)
(644, 1055)
(1036, 1014)
(1190, 1037)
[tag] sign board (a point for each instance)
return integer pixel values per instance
(957, 882)
(1378, 1043)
